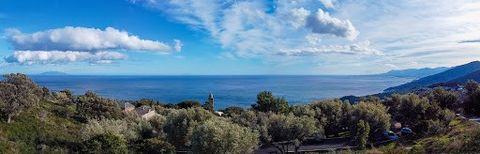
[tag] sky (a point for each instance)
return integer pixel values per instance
(236, 37)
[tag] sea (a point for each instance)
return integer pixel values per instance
(239, 90)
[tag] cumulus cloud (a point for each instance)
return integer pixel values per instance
(258, 28)
(79, 44)
(82, 39)
(322, 23)
(58, 57)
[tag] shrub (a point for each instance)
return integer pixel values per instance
(218, 136)
(105, 143)
(155, 145)
(363, 130)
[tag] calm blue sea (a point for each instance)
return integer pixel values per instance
(228, 90)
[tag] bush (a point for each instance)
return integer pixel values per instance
(155, 145)
(218, 136)
(105, 143)
(363, 130)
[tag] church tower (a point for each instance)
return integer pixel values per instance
(210, 104)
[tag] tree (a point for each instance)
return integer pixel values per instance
(233, 110)
(375, 114)
(267, 102)
(180, 123)
(362, 133)
(471, 86)
(90, 106)
(423, 116)
(17, 93)
(445, 99)
(155, 145)
(333, 115)
(217, 136)
(105, 143)
(188, 104)
(289, 129)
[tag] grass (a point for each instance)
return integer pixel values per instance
(41, 125)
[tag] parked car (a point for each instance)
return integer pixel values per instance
(406, 131)
(390, 135)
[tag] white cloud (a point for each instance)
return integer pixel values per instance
(322, 23)
(328, 3)
(257, 28)
(362, 48)
(58, 57)
(178, 45)
(79, 44)
(82, 39)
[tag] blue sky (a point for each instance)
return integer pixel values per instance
(179, 37)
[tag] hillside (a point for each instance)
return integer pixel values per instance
(445, 76)
(472, 76)
(415, 73)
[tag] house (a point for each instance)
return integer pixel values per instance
(145, 112)
(127, 107)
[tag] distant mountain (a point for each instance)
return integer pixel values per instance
(415, 73)
(53, 73)
(472, 76)
(445, 76)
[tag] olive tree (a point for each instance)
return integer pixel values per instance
(17, 93)
(217, 136)
(91, 106)
(288, 129)
(180, 123)
(333, 115)
(375, 114)
(105, 143)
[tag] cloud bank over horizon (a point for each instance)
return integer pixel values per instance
(79, 44)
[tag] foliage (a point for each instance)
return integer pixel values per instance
(218, 136)
(333, 115)
(363, 130)
(375, 114)
(90, 106)
(266, 102)
(180, 123)
(423, 116)
(443, 98)
(128, 130)
(188, 104)
(303, 110)
(105, 143)
(233, 110)
(289, 127)
(17, 93)
(155, 145)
